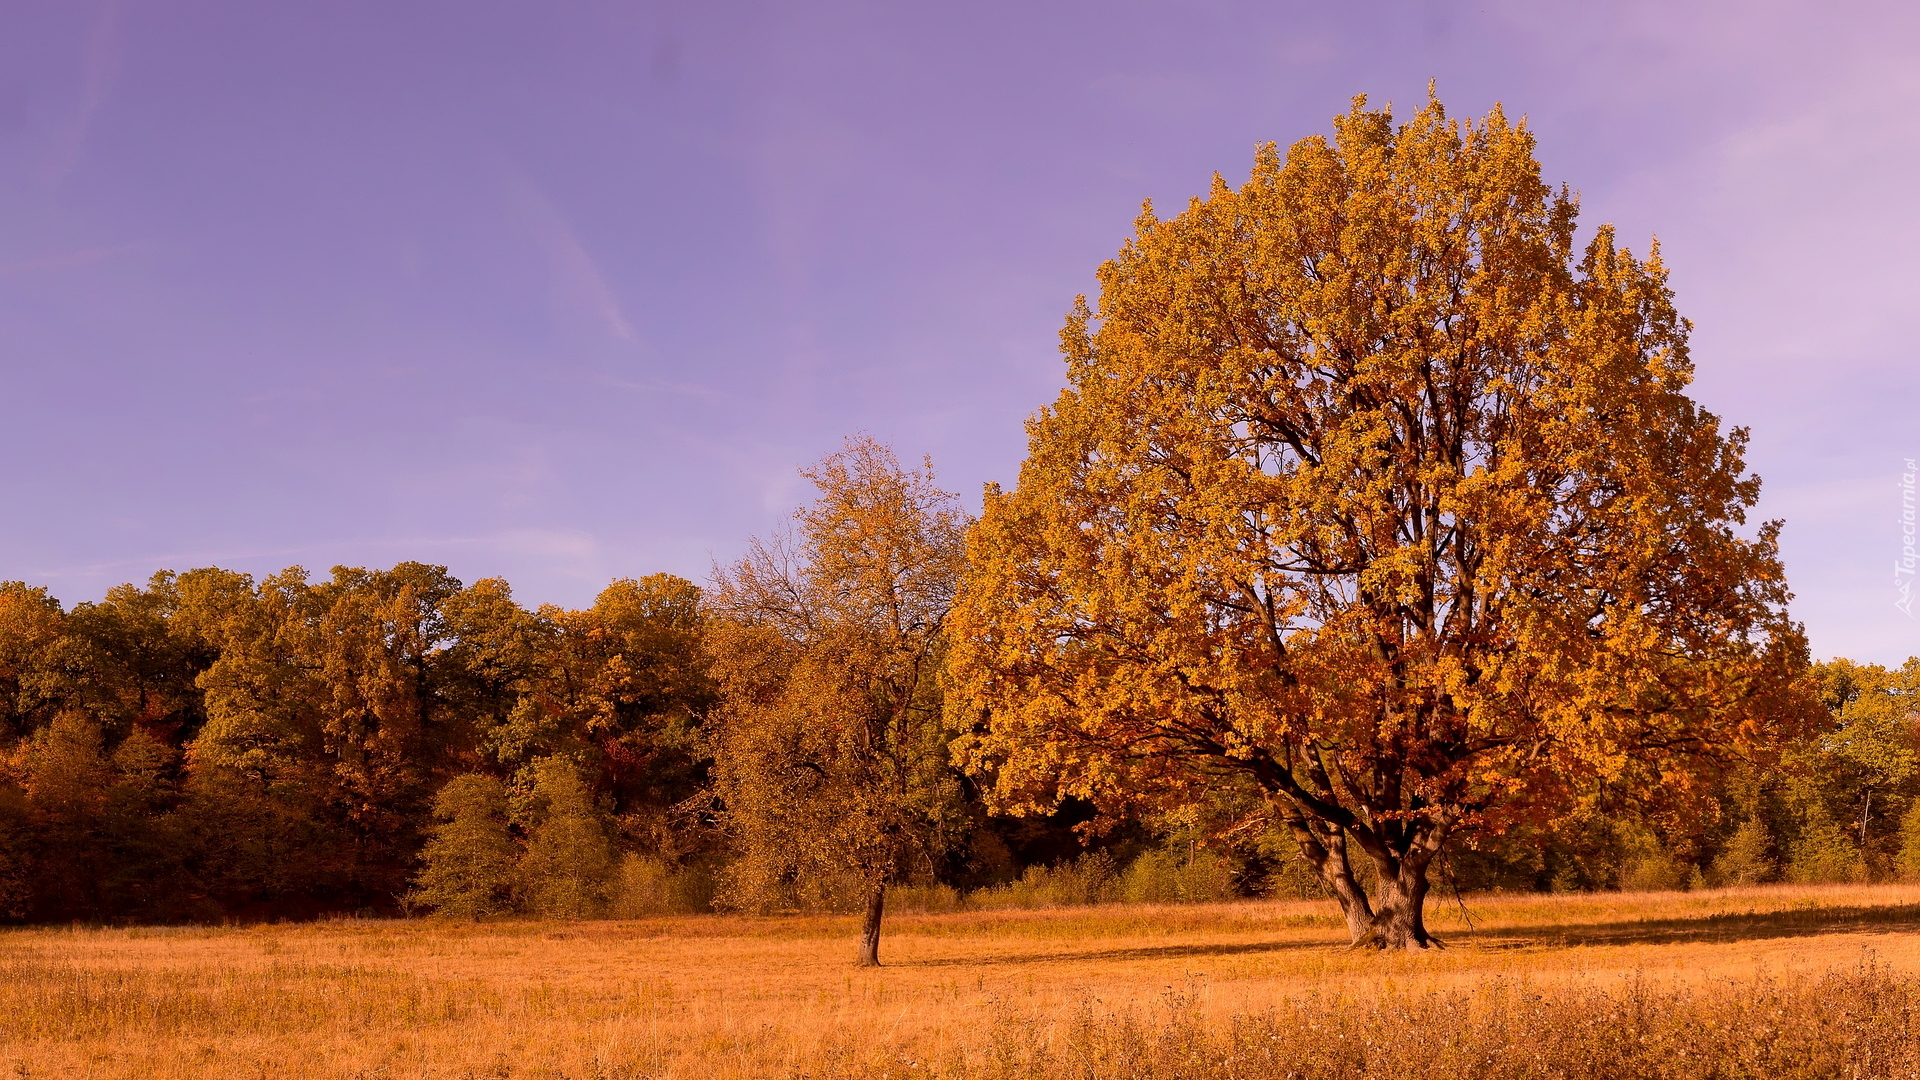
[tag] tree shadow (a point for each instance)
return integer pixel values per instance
(1721, 927)
(1724, 927)
(1142, 952)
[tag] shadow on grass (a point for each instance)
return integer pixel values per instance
(1720, 927)
(1144, 952)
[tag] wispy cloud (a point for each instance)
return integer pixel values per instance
(653, 386)
(99, 63)
(577, 276)
(65, 260)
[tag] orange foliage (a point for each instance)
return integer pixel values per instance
(1369, 491)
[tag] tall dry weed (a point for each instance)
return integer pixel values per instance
(1855, 1024)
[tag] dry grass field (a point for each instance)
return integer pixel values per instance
(1085, 992)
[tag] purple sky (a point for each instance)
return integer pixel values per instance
(565, 291)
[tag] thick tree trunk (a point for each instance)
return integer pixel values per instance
(1395, 916)
(870, 927)
(1399, 913)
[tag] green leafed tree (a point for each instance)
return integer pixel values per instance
(567, 870)
(1866, 770)
(467, 866)
(31, 624)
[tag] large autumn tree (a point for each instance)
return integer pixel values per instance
(1373, 489)
(830, 749)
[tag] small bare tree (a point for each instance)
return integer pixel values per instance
(830, 755)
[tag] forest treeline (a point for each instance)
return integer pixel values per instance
(212, 746)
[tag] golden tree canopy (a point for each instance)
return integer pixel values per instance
(1370, 486)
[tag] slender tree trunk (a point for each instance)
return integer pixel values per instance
(1865, 809)
(1329, 859)
(1338, 874)
(870, 926)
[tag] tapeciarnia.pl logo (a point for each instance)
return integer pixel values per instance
(1903, 567)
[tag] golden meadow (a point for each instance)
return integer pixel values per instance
(1775, 981)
